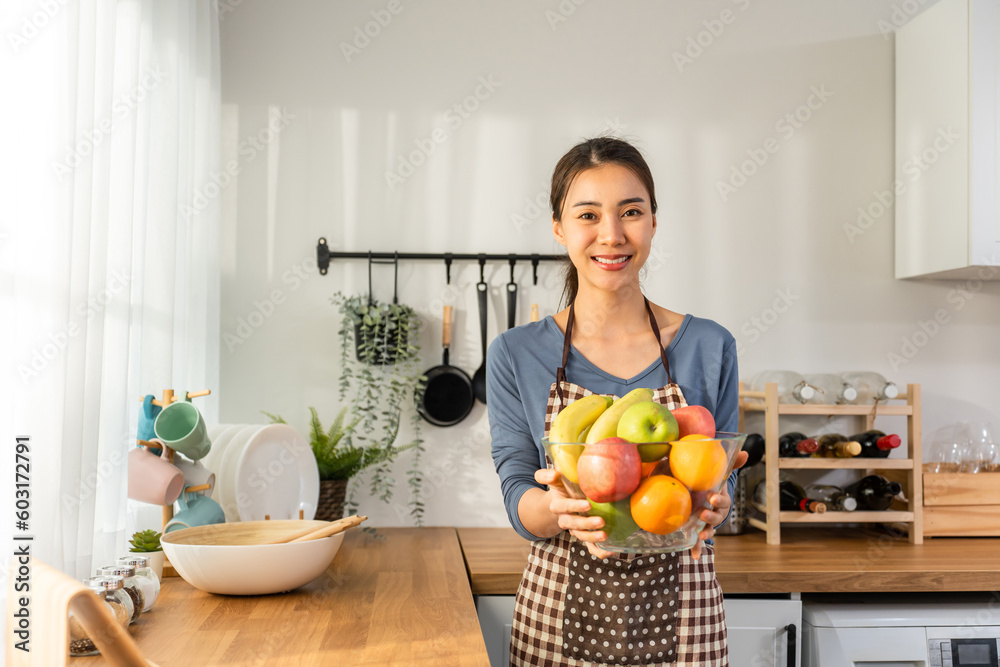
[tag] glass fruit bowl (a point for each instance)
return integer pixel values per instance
(650, 494)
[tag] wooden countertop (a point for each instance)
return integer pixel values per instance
(402, 600)
(809, 560)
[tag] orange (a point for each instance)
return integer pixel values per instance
(647, 468)
(695, 436)
(699, 464)
(660, 505)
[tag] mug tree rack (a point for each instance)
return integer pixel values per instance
(324, 255)
(168, 510)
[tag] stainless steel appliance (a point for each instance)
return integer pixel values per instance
(911, 630)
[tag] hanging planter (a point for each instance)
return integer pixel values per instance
(379, 379)
(381, 330)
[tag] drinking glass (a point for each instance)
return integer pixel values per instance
(949, 448)
(982, 455)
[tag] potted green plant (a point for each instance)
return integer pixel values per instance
(148, 542)
(381, 330)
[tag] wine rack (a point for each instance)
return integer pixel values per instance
(909, 468)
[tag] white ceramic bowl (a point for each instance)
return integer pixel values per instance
(229, 559)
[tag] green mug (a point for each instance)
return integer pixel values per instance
(182, 428)
(196, 510)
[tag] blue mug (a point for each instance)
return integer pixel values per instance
(147, 415)
(196, 510)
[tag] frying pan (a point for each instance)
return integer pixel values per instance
(447, 398)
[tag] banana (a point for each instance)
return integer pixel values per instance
(577, 416)
(606, 425)
(571, 426)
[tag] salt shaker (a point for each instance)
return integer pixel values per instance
(147, 579)
(130, 586)
(113, 590)
(80, 642)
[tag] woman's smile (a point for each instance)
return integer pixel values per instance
(612, 262)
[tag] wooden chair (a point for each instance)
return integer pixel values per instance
(52, 595)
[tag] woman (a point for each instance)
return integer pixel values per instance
(578, 604)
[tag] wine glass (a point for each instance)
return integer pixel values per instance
(982, 455)
(949, 448)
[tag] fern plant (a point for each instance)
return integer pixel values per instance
(336, 456)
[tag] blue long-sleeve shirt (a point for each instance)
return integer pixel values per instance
(521, 367)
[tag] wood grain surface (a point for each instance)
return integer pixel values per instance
(808, 560)
(965, 489)
(494, 558)
(401, 600)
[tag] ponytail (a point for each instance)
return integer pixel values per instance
(571, 283)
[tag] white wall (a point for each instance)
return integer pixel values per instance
(783, 231)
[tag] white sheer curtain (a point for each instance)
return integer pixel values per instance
(109, 262)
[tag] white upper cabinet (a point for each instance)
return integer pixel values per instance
(947, 185)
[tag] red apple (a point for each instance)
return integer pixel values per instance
(694, 419)
(609, 470)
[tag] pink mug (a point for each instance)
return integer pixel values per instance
(153, 479)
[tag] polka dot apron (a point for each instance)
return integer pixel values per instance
(629, 609)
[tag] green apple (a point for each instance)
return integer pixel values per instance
(618, 522)
(649, 422)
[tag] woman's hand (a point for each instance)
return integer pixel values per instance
(721, 502)
(571, 513)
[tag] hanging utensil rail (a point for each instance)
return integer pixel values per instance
(324, 255)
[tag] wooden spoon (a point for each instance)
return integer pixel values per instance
(313, 533)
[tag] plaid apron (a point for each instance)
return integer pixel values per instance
(630, 609)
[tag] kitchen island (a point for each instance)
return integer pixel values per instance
(403, 599)
(407, 598)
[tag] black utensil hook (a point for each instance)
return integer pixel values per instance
(395, 276)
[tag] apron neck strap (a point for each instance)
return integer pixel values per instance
(561, 371)
(659, 343)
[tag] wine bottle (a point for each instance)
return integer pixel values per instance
(876, 444)
(831, 389)
(796, 444)
(835, 445)
(792, 498)
(874, 492)
(835, 498)
(754, 447)
(792, 387)
(871, 386)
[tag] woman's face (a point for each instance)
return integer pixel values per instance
(607, 226)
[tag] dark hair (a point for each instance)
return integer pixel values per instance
(587, 155)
